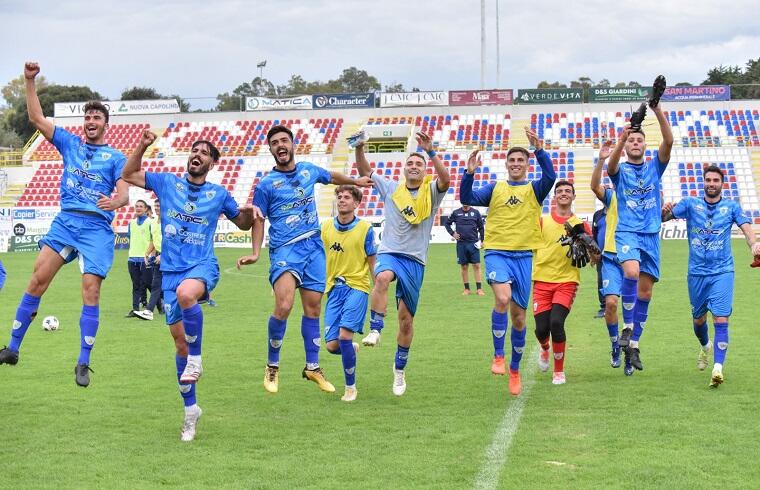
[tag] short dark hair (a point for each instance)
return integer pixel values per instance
(520, 149)
(144, 203)
(561, 183)
(355, 192)
(213, 150)
(279, 129)
(95, 105)
(716, 169)
(416, 154)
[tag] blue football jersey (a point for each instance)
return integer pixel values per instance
(639, 195)
(287, 200)
(189, 214)
(88, 171)
(709, 233)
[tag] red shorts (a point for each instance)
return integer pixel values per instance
(545, 294)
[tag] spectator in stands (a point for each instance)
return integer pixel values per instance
(139, 233)
(599, 229)
(469, 232)
(153, 266)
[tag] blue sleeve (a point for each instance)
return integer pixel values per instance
(448, 227)
(681, 209)
(63, 140)
(118, 167)
(661, 167)
(739, 217)
(614, 178)
(157, 182)
(548, 176)
(479, 197)
(369, 243)
(230, 207)
(261, 198)
(323, 175)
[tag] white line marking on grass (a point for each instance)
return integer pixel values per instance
(236, 272)
(496, 454)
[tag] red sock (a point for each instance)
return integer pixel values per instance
(559, 356)
(544, 344)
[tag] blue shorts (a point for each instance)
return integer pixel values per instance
(504, 267)
(89, 238)
(409, 275)
(208, 273)
(304, 259)
(644, 248)
(467, 253)
(2, 275)
(612, 276)
(711, 293)
(346, 308)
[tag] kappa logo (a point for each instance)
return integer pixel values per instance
(499, 333)
(185, 388)
(275, 343)
(513, 201)
(190, 339)
(89, 339)
(281, 263)
(408, 211)
(16, 324)
(350, 371)
(337, 247)
(403, 356)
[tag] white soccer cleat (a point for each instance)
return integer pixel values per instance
(558, 378)
(703, 359)
(350, 394)
(356, 347)
(145, 314)
(399, 381)
(372, 339)
(543, 360)
(190, 424)
(717, 376)
(192, 372)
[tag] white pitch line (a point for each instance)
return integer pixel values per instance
(496, 454)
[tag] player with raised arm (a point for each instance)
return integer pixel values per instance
(410, 207)
(350, 248)
(512, 234)
(711, 264)
(91, 173)
(190, 209)
(297, 257)
(638, 188)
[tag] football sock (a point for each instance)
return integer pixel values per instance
(402, 355)
(187, 390)
(499, 323)
(612, 330)
(702, 334)
(721, 342)
(192, 319)
(88, 328)
(544, 344)
(25, 313)
(467, 285)
(517, 339)
(479, 285)
(348, 355)
(276, 333)
(311, 340)
(640, 314)
(628, 297)
(376, 320)
(559, 356)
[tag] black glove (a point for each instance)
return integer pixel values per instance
(658, 88)
(637, 118)
(580, 245)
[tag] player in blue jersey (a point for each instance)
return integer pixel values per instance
(82, 230)
(190, 209)
(297, 257)
(711, 264)
(2, 275)
(638, 188)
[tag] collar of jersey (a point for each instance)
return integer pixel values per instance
(341, 227)
(522, 182)
(286, 172)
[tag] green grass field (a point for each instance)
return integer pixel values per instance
(661, 428)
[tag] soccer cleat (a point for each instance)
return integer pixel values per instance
(190, 424)
(480, 292)
(9, 357)
(615, 357)
(558, 378)
(131, 314)
(192, 372)
(543, 360)
(625, 337)
(145, 314)
(399, 381)
(350, 394)
(599, 314)
(627, 369)
(272, 379)
(703, 357)
(635, 360)
(498, 366)
(466, 292)
(318, 377)
(82, 375)
(717, 377)
(372, 339)
(515, 385)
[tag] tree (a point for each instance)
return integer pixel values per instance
(18, 118)
(258, 87)
(634, 84)
(745, 83)
(684, 84)
(545, 84)
(603, 83)
(147, 93)
(354, 80)
(620, 85)
(15, 91)
(395, 88)
(8, 137)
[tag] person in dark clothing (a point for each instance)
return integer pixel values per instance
(468, 233)
(598, 230)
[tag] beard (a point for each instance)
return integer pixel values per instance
(199, 171)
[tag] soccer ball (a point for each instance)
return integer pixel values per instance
(50, 323)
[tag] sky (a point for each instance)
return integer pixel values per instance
(201, 48)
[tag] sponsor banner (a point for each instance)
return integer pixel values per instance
(701, 92)
(120, 107)
(673, 230)
(32, 221)
(400, 99)
(480, 97)
(25, 243)
(343, 101)
(549, 96)
(278, 104)
(6, 221)
(624, 94)
(233, 239)
(121, 241)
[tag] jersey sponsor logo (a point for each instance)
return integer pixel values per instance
(277, 184)
(292, 220)
(198, 220)
(297, 204)
(408, 211)
(170, 231)
(513, 201)
(337, 247)
(299, 192)
(85, 174)
(641, 190)
(706, 230)
(190, 207)
(86, 165)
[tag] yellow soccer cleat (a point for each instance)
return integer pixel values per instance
(318, 377)
(272, 379)
(717, 377)
(703, 357)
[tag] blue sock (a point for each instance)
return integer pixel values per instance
(402, 355)
(517, 338)
(612, 330)
(192, 318)
(376, 320)
(701, 332)
(186, 390)
(640, 314)
(499, 323)
(25, 313)
(628, 298)
(721, 342)
(349, 361)
(276, 334)
(88, 328)
(311, 340)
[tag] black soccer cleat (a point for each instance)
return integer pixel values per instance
(625, 337)
(658, 88)
(9, 357)
(637, 117)
(82, 374)
(635, 360)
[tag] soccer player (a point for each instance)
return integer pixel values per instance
(555, 281)
(139, 232)
(598, 230)
(469, 232)
(410, 208)
(152, 261)
(2, 275)
(638, 187)
(350, 248)
(91, 173)
(512, 233)
(711, 264)
(297, 257)
(190, 211)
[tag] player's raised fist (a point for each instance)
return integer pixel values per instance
(31, 69)
(473, 162)
(147, 138)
